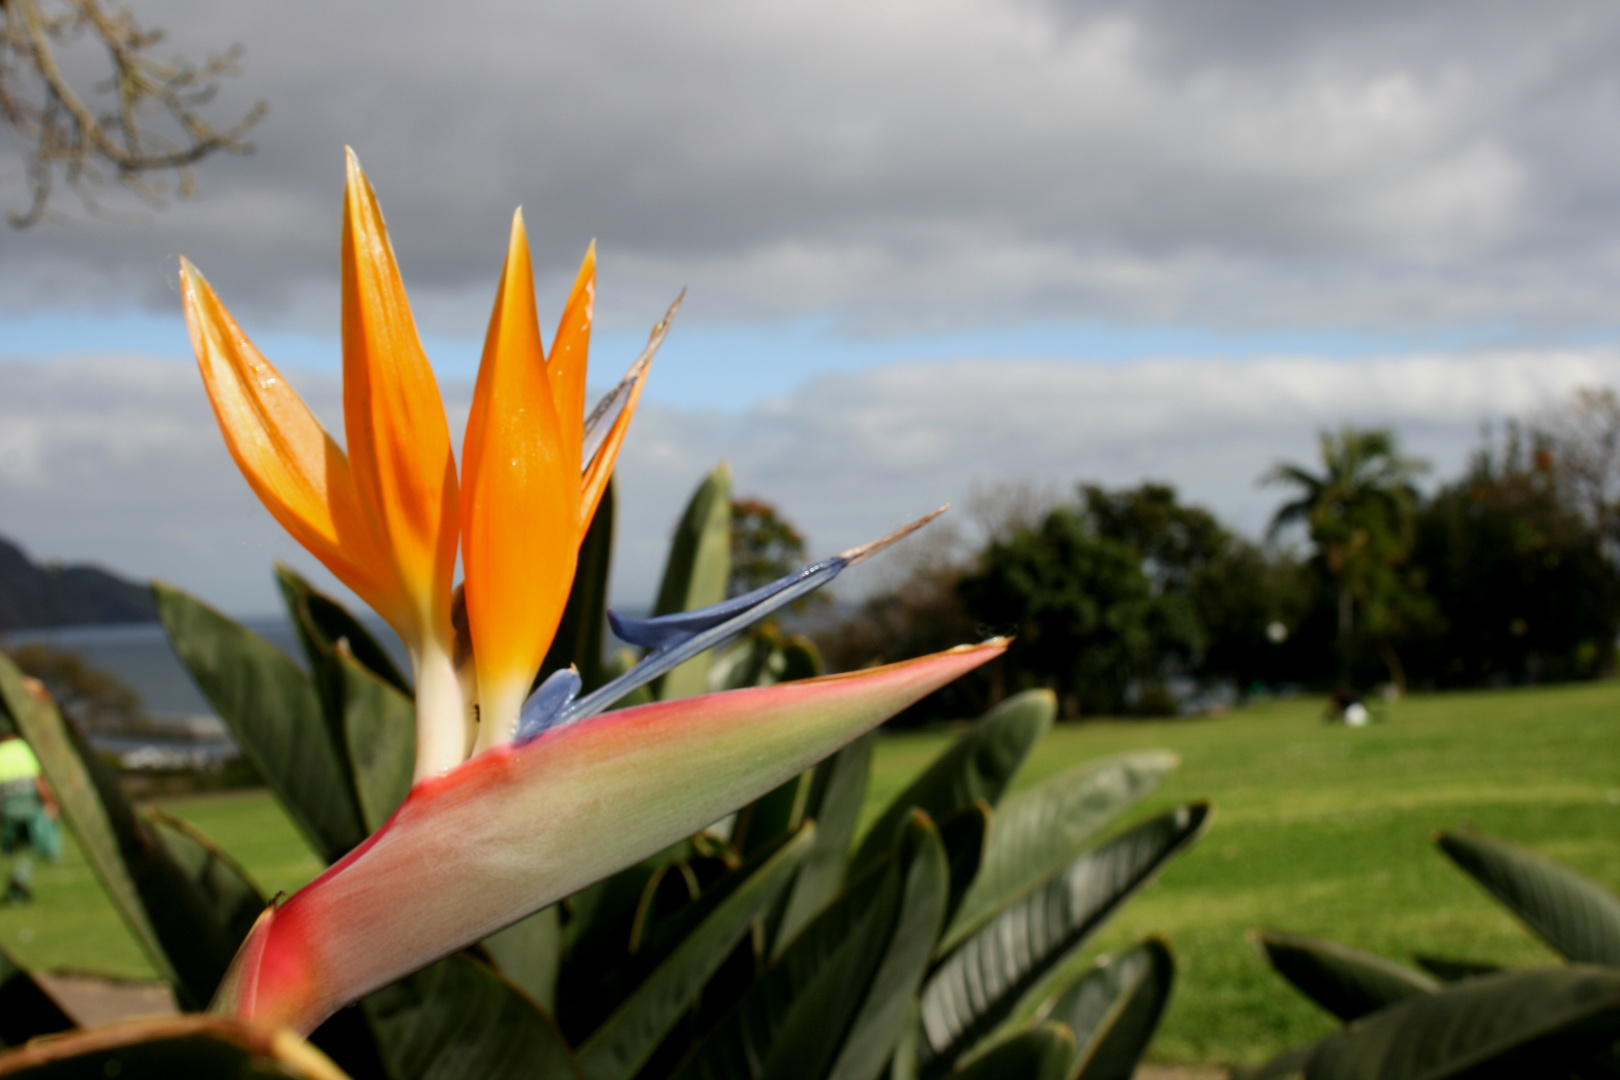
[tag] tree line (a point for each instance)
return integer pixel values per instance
(1132, 601)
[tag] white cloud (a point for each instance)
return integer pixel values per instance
(909, 165)
(117, 460)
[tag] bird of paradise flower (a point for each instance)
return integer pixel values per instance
(518, 799)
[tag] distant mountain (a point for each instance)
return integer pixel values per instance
(36, 597)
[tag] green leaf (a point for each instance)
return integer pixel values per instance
(1041, 828)
(582, 631)
(201, 1047)
(1346, 982)
(457, 1019)
(1044, 1052)
(801, 659)
(1544, 1022)
(230, 891)
(1114, 1008)
(26, 1008)
(979, 765)
(705, 935)
(275, 713)
(528, 954)
(836, 790)
(315, 613)
(980, 984)
(754, 660)
(841, 996)
(174, 921)
(966, 835)
(367, 708)
(696, 573)
(1577, 918)
(1450, 969)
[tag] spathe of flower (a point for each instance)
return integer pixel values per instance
(529, 823)
(496, 826)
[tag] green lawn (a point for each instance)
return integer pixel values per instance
(1318, 829)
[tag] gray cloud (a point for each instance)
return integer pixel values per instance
(909, 165)
(117, 460)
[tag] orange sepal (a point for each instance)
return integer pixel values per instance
(292, 464)
(399, 442)
(520, 499)
(570, 355)
(600, 470)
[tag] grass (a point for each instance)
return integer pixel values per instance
(1318, 829)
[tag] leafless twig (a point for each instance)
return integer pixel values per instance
(152, 124)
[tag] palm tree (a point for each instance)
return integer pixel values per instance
(1359, 512)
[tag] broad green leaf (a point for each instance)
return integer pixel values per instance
(1044, 1052)
(581, 633)
(367, 706)
(980, 984)
(840, 997)
(456, 1020)
(26, 1008)
(979, 765)
(528, 954)
(754, 660)
(1579, 919)
(966, 835)
(772, 815)
(1544, 1022)
(1449, 969)
(1288, 1065)
(696, 573)
(200, 1047)
(837, 789)
(704, 937)
(1346, 982)
(889, 1005)
(275, 713)
(1114, 1008)
(315, 613)
(597, 934)
(230, 891)
(801, 659)
(1041, 828)
(172, 918)
(379, 735)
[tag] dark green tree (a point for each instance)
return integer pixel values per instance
(764, 545)
(1359, 513)
(1516, 566)
(1089, 622)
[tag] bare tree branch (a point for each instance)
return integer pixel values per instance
(153, 124)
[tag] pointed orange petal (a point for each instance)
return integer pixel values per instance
(399, 442)
(289, 460)
(518, 504)
(570, 355)
(599, 470)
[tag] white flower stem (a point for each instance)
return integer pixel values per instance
(441, 720)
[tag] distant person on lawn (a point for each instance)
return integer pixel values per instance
(27, 817)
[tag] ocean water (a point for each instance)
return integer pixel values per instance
(139, 655)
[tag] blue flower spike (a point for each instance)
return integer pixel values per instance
(671, 640)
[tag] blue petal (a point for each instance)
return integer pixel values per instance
(685, 635)
(668, 631)
(546, 704)
(674, 639)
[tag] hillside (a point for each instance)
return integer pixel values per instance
(38, 597)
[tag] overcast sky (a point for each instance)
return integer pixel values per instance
(928, 246)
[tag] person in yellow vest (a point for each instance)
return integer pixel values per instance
(27, 817)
